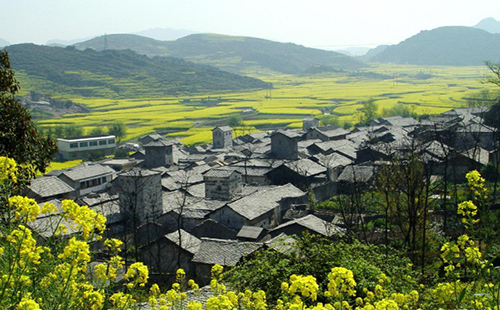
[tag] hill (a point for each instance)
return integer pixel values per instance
(230, 53)
(165, 34)
(448, 46)
(489, 24)
(113, 73)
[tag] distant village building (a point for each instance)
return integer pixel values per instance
(87, 177)
(158, 153)
(140, 194)
(222, 183)
(84, 147)
(309, 122)
(284, 144)
(170, 252)
(222, 137)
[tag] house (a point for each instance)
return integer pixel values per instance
(326, 134)
(310, 223)
(170, 252)
(309, 122)
(226, 253)
(87, 177)
(355, 177)
(264, 207)
(159, 153)
(149, 138)
(222, 183)
(46, 188)
(140, 194)
(222, 137)
(251, 233)
(284, 144)
(211, 229)
(85, 147)
(301, 173)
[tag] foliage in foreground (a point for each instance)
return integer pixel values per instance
(59, 273)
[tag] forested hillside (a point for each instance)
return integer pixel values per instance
(446, 46)
(114, 73)
(230, 53)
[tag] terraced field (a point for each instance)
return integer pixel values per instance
(428, 90)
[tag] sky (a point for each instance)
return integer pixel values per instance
(327, 24)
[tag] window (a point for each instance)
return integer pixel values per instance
(103, 179)
(73, 145)
(111, 141)
(84, 144)
(93, 143)
(102, 142)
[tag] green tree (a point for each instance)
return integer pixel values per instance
(20, 138)
(234, 120)
(118, 129)
(368, 111)
(97, 131)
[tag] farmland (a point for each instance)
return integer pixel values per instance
(427, 90)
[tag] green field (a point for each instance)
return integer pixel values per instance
(428, 90)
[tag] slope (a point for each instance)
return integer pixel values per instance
(230, 53)
(113, 73)
(449, 46)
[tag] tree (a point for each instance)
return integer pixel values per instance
(368, 111)
(118, 129)
(19, 135)
(234, 120)
(97, 131)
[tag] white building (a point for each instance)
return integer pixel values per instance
(84, 147)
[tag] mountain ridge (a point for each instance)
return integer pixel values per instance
(448, 46)
(230, 53)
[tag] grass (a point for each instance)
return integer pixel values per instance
(291, 99)
(54, 165)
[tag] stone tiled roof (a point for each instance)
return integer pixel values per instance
(87, 171)
(333, 132)
(306, 167)
(94, 199)
(170, 184)
(314, 224)
(223, 252)
(223, 172)
(250, 232)
(49, 186)
(159, 143)
(288, 133)
(223, 128)
(196, 190)
(263, 201)
(281, 243)
(355, 173)
(334, 160)
(187, 242)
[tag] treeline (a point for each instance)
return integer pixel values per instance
(117, 129)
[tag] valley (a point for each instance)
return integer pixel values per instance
(425, 89)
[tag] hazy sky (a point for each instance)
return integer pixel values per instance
(315, 23)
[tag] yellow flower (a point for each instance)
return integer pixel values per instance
(8, 169)
(25, 209)
(139, 273)
(341, 281)
(27, 304)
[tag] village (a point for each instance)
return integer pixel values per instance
(176, 206)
